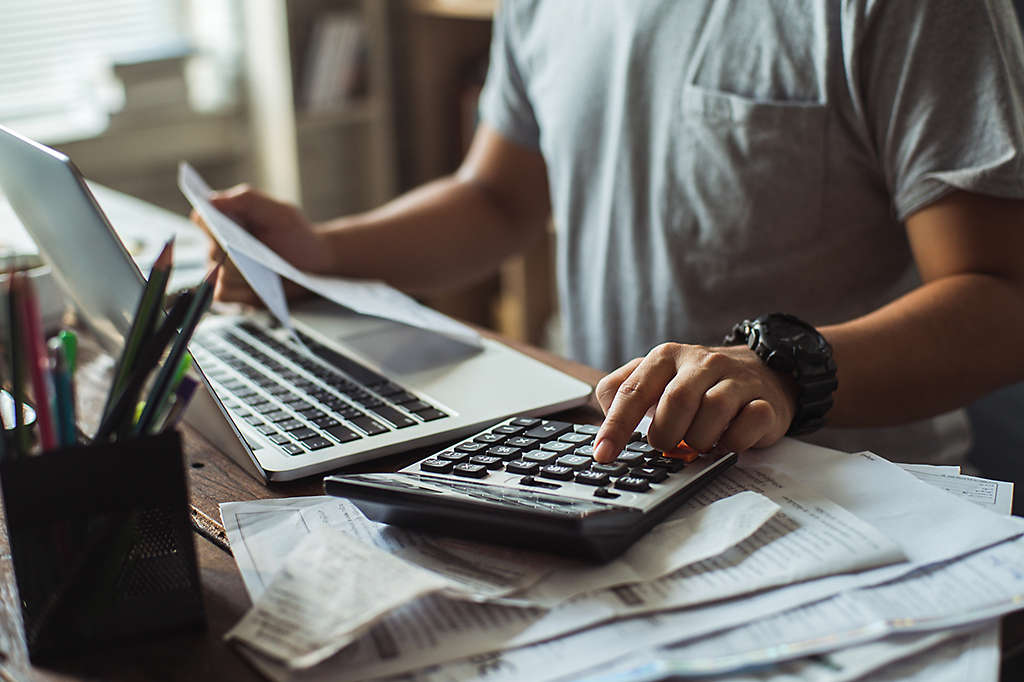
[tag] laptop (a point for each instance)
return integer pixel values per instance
(348, 389)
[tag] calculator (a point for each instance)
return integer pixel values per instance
(533, 483)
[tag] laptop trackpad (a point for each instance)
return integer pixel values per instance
(401, 349)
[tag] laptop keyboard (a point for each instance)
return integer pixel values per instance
(302, 402)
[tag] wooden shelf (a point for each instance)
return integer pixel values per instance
(456, 9)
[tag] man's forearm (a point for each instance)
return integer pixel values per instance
(441, 235)
(932, 350)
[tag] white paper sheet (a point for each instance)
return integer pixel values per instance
(995, 495)
(262, 268)
(331, 588)
(263, 532)
(874, 489)
(905, 658)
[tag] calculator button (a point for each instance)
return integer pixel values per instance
(685, 453)
(634, 484)
(604, 492)
(588, 429)
(436, 466)
(642, 448)
(612, 468)
(652, 474)
(471, 447)
(525, 421)
(489, 438)
(669, 464)
(519, 466)
(549, 430)
(470, 470)
(487, 461)
(557, 472)
(592, 478)
(454, 456)
(504, 452)
(508, 430)
(636, 436)
(540, 456)
(585, 451)
(530, 480)
(521, 442)
(627, 457)
(575, 438)
(573, 461)
(557, 446)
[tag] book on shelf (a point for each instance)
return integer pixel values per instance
(336, 63)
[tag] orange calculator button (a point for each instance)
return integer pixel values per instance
(682, 451)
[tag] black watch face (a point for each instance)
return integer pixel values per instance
(794, 335)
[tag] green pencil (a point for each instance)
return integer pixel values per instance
(161, 385)
(147, 315)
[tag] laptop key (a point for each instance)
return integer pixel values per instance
(394, 416)
(317, 443)
(303, 433)
(279, 438)
(291, 425)
(414, 405)
(292, 449)
(369, 426)
(431, 414)
(325, 422)
(343, 434)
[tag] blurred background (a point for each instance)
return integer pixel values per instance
(337, 105)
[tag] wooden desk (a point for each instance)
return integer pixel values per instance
(204, 656)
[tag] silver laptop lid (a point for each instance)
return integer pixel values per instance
(50, 197)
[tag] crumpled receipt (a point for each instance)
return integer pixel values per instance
(331, 589)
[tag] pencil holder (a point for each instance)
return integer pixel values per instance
(101, 544)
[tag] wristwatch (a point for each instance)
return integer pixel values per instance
(789, 345)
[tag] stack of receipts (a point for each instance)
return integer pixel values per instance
(826, 565)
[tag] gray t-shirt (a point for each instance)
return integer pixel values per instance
(713, 161)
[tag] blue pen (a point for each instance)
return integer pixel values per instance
(63, 400)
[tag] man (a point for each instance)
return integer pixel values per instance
(856, 164)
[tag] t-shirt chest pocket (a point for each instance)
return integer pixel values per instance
(749, 174)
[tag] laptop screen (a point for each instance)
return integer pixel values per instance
(57, 209)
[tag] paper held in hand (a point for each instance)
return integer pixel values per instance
(263, 269)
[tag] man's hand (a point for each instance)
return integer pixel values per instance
(279, 225)
(708, 397)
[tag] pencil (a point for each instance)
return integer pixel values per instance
(161, 385)
(182, 397)
(38, 364)
(149, 356)
(147, 314)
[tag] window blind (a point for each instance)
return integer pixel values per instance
(50, 50)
